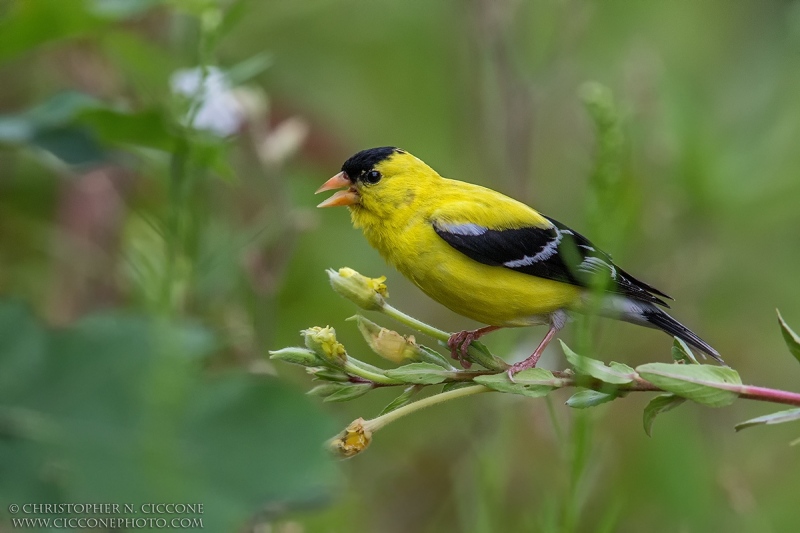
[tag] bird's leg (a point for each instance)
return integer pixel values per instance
(459, 343)
(531, 361)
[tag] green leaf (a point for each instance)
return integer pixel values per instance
(432, 356)
(791, 338)
(453, 385)
(682, 352)
(660, 404)
(249, 68)
(421, 373)
(74, 145)
(324, 390)
(58, 111)
(327, 374)
(534, 383)
(715, 386)
(146, 129)
(400, 401)
(587, 366)
(622, 368)
(23, 350)
(127, 409)
(349, 392)
(589, 398)
(28, 24)
(780, 417)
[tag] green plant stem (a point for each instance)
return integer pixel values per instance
(415, 324)
(566, 379)
(377, 423)
(368, 372)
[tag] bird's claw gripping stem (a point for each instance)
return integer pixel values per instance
(531, 361)
(459, 343)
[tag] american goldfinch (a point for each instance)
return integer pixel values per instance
(487, 256)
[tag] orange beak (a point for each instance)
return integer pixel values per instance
(348, 197)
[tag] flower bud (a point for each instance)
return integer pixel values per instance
(367, 293)
(296, 356)
(353, 440)
(322, 341)
(387, 343)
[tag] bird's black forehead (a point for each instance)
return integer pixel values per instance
(367, 159)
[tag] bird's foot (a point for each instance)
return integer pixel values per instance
(459, 343)
(530, 362)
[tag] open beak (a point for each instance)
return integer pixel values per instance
(346, 197)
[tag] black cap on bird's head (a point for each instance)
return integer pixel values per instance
(357, 171)
(365, 160)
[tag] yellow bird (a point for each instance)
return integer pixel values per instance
(487, 256)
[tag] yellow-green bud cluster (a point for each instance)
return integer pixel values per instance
(367, 293)
(322, 341)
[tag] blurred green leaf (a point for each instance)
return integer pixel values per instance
(325, 389)
(534, 383)
(30, 23)
(142, 63)
(682, 352)
(249, 68)
(588, 398)
(148, 128)
(78, 128)
(780, 417)
(791, 338)
(23, 345)
(349, 391)
(72, 144)
(660, 404)
(328, 374)
(617, 375)
(120, 9)
(236, 11)
(420, 373)
(704, 384)
(123, 407)
(404, 398)
(58, 111)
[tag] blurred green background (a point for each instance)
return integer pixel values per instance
(156, 241)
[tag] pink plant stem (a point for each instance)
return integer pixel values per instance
(764, 394)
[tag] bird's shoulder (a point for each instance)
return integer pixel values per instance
(461, 203)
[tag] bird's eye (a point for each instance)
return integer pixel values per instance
(373, 176)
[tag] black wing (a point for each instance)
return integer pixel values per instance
(557, 253)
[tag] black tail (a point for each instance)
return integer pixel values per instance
(664, 322)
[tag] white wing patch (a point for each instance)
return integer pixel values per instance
(548, 251)
(595, 265)
(463, 229)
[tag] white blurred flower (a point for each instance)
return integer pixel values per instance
(284, 140)
(219, 111)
